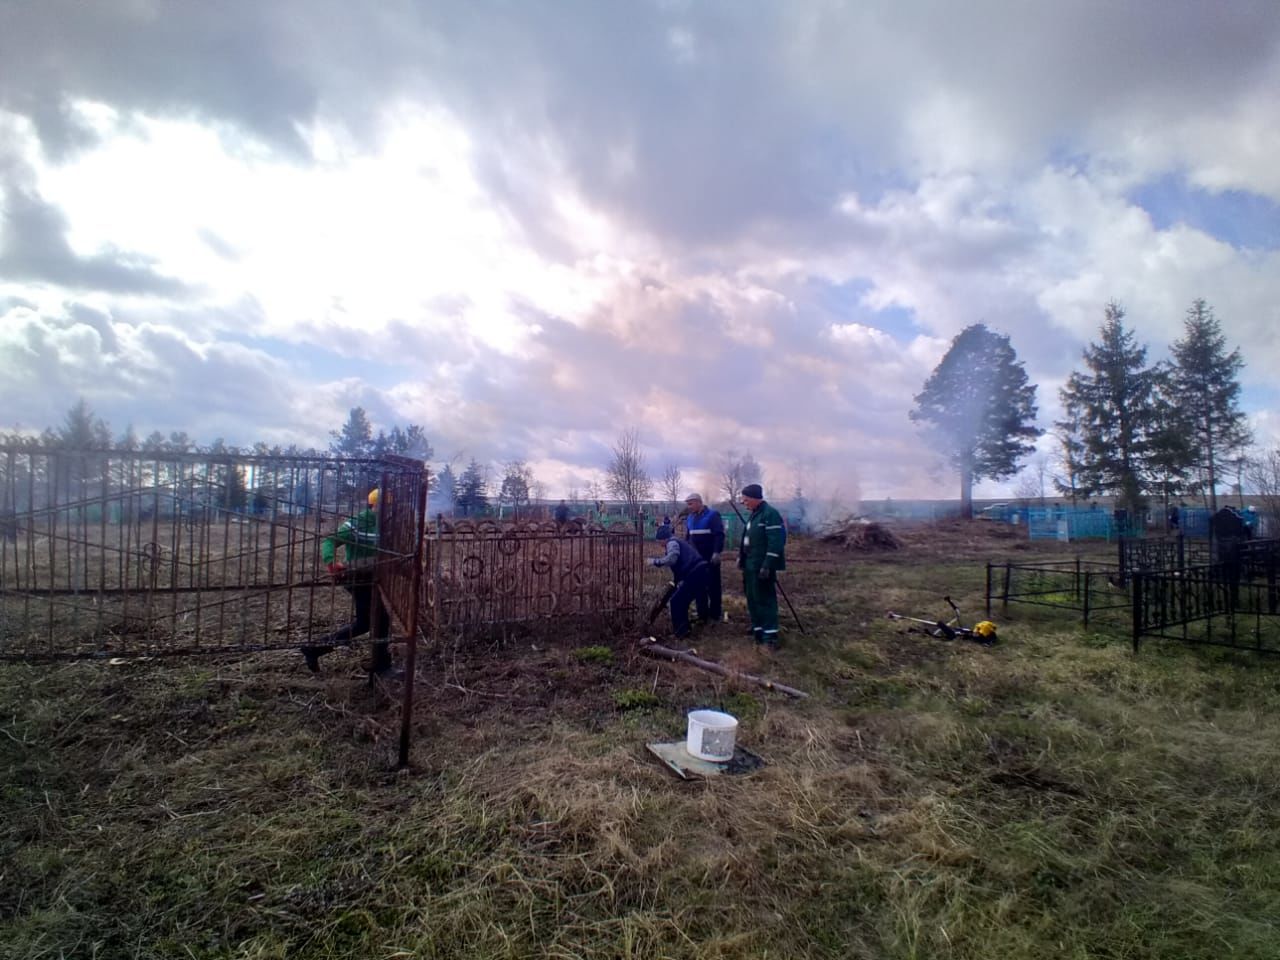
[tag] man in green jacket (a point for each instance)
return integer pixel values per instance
(358, 538)
(761, 554)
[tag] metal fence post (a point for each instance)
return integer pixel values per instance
(1137, 609)
(1088, 585)
(411, 655)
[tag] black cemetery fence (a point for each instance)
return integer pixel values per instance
(1224, 604)
(1089, 587)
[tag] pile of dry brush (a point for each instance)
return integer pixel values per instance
(856, 533)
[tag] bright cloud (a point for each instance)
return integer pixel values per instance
(530, 229)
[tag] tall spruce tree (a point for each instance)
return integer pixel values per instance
(355, 439)
(979, 409)
(471, 492)
(1114, 403)
(1206, 385)
(444, 490)
(1171, 456)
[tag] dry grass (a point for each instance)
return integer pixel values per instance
(1051, 797)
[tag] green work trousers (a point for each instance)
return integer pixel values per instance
(762, 604)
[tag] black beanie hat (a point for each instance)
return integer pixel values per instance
(754, 491)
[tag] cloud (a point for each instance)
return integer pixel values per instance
(34, 248)
(528, 226)
(153, 376)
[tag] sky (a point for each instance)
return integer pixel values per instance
(530, 225)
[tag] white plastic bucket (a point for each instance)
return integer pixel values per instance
(711, 735)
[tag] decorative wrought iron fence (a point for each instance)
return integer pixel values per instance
(482, 573)
(1147, 554)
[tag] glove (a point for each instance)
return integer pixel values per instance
(714, 559)
(765, 574)
(336, 569)
(655, 561)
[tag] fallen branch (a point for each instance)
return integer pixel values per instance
(650, 649)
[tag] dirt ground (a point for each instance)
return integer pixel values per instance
(1054, 795)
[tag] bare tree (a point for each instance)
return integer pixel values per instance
(1028, 488)
(627, 477)
(672, 480)
(736, 471)
(1263, 474)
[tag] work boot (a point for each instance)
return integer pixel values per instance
(312, 655)
(381, 664)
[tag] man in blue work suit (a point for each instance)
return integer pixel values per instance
(689, 571)
(704, 529)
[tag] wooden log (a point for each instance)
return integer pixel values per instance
(650, 649)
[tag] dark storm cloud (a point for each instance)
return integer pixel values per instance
(698, 122)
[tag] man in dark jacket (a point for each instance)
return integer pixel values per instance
(689, 571)
(761, 555)
(704, 529)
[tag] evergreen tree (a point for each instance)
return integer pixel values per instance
(82, 429)
(1115, 405)
(154, 442)
(233, 493)
(444, 490)
(412, 442)
(472, 495)
(979, 408)
(355, 439)
(1171, 454)
(1207, 388)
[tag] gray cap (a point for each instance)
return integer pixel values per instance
(694, 496)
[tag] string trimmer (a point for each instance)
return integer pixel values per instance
(983, 632)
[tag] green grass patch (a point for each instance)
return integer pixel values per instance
(593, 654)
(635, 699)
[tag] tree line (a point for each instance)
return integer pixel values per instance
(1131, 429)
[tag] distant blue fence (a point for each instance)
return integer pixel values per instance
(1079, 523)
(1194, 522)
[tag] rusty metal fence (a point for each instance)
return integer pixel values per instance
(121, 553)
(110, 553)
(484, 574)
